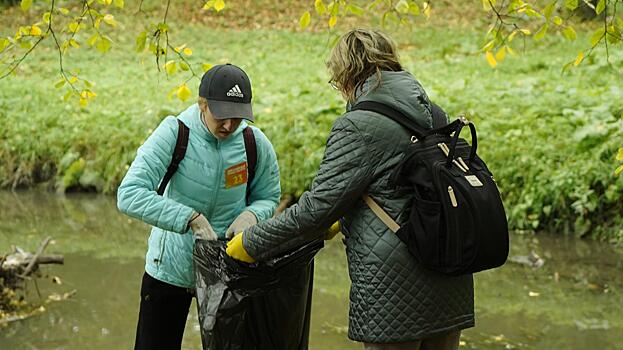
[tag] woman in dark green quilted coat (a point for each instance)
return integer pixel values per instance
(394, 302)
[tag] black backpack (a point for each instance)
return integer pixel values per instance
(457, 224)
(181, 144)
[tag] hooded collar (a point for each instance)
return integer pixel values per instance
(192, 117)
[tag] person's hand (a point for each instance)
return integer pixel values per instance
(236, 250)
(332, 231)
(245, 220)
(201, 228)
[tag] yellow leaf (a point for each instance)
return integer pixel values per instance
(557, 20)
(184, 66)
(332, 21)
(183, 92)
(305, 20)
(83, 102)
(218, 6)
(525, 31)
(579, 59)
(320, 7)
(620, 154)
(119, 3)
(492, 62)
(511, 51)
(63, 10)
(36, 31)
(501, 54)
(427, 9)
(170, 67)
(187, 51)
(618, 170)
(74, 43)
(73, 79)
(206, 67)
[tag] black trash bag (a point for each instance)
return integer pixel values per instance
(258, 306)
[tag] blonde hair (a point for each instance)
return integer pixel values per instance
(357, 55)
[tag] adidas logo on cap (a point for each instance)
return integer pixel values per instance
(235, 91)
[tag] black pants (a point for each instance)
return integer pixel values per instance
(162, 317)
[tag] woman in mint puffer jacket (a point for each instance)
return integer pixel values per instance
(206, 196)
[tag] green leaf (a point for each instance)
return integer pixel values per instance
(25, 5)
(141, 39)
(110, 20)
(183, 92)
(354, 9)
(59, 84)
(103, 45)
(93, 39)
(402, 6)
(601, 6)
(184, 66)
(597, 36)
(614, 34)
(549, 10)
(569, 33)
(305, 20)
(119, 3)
(320, 7)
(4, 42)
(618, 170)
(414, 9)
(571, 4)
(170, 67)
(541, 32)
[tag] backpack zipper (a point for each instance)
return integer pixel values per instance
(452, 197)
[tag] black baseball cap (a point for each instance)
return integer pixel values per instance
(228, 91)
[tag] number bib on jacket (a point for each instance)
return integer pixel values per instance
(236, 175)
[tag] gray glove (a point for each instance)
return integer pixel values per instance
(202, 229)
(245, 220)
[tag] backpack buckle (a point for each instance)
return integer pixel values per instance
(414, 139)
(463, 119)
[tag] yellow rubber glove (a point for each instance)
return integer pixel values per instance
(332, 231)
(236, 250)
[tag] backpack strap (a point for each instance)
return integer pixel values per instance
(181, 144)
(381, 214)
(440, 118)
(251, 150)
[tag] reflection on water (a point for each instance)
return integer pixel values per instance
(572, 302)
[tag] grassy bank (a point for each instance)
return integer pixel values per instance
(549, 138)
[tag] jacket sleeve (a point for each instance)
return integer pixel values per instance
(266, 187)
(345, 173)
(137, 195)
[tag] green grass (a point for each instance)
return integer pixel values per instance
(550, 139)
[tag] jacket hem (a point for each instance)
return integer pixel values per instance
(464, 322)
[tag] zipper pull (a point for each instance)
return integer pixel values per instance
(452, 197)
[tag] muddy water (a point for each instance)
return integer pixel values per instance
(575, 301)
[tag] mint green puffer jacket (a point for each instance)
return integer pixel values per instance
(198, 184)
